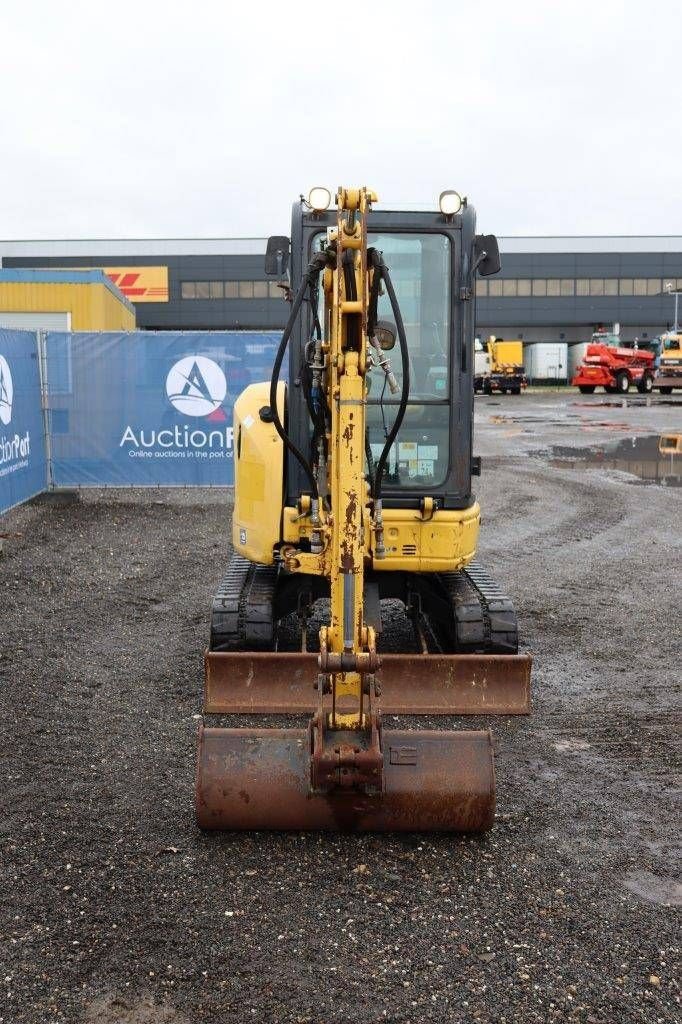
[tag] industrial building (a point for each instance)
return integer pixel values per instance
(550, 289)
(63, 300)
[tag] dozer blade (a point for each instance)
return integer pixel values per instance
(264, 682)
(260, 779)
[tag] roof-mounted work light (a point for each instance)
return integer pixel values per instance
(450, 203)
(319, 199)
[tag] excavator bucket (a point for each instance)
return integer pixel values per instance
(260, 682)
(259, 779)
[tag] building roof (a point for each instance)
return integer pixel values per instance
(589, 243)
(131, 247)
(12, 275)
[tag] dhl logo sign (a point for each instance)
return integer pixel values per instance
(140, 284)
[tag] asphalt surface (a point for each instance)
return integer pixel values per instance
(115, 908)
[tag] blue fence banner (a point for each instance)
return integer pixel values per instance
(148, 408)
(22, 441)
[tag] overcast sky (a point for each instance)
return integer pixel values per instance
(166, 119)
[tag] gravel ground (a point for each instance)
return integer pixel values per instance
(115, 909)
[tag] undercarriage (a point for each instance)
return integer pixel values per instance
(264, 608)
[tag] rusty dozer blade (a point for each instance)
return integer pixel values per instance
(263, 682)
(258, 779)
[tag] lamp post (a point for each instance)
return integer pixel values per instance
(669, 288)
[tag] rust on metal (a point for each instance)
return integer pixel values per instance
(345, 759)
(260, 682)
(258, 779)
(363, 661)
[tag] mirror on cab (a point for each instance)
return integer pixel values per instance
(486, 255)
(277, 255)
(385, 332)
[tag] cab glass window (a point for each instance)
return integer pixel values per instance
(420, 268)
(419, 265)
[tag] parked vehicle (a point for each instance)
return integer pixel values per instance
(669, 374)
(498, 366)
(576, 354)
(610, 364)
(547, 362)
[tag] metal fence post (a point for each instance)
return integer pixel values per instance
(45, 406)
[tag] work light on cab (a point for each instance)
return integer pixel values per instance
(319, 199)
(450, 203)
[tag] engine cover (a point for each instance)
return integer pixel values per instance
(258, 474)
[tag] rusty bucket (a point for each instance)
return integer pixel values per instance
(258, 779)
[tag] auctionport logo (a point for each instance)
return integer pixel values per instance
(14, 451)
(196, 387)
(6, 392)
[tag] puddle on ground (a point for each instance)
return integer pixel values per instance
(111, 1009)
(501, 418)
(639, 456)
(571, 745)
(664, 891)
(625, 403)
(572, 421)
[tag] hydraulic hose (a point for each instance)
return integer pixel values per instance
(315, 412)
(353, 322)
(315, 267)
(374, 260)
(402, 337)
(369, 456)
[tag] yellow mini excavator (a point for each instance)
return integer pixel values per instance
(355, 532)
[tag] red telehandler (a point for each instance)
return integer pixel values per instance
(607, 363)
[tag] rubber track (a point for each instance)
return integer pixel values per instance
(484, 620)
(241, 614)
(484, 617)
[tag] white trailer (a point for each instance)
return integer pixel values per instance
(576, 354)
(546, 361)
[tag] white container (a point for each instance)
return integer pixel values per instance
(575, 357)
(546, 361)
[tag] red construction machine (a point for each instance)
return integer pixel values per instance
(608, 363)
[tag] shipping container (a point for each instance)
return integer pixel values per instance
(77, 300)
(576, 354)
(546, 361)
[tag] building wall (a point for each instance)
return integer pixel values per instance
(189, 314)
(570, 333)
(552, 316)
(108, 311)
(562, 317)
(93, 306)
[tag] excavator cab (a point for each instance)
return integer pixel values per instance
(425, 254)
(355, 530)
